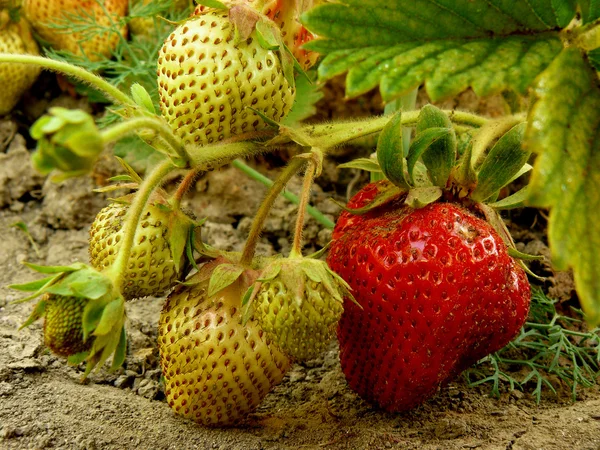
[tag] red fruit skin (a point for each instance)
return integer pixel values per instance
(438, 290)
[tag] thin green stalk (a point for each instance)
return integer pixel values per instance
(69, 69)
(309, 176)
(155, 123)
(132, 218)
(256, 175)
(257, 224)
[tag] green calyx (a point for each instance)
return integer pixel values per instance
(84, 314)
(68, 142)
(298, 302)
(440, 163)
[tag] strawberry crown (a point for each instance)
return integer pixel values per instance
(438, 164)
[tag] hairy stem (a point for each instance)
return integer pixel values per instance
(256, 175)
(309, 176)
(183, 187)
(116, 132)
(257, 224)
(489, 133)
(211, 156)
(69, 69)
(333, 134)
(132, 218)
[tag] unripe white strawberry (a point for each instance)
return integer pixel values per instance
(206, 80)
(216, 370)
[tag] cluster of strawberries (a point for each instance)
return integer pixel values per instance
(416, 290)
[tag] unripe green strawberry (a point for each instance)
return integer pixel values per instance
(216, 370)
(151, 269)
(206, 80)
(299, 303)
(43, 13)
(16, 79)
(63, 331)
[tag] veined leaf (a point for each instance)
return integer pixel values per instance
(590, 10)
(564, 129)
(489, 45)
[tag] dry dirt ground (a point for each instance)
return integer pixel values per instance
(43, 404)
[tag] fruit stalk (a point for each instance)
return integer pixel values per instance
(183, 187)
(153, 180)
(122, 129)
(293, 167)
(256, 175)
(309, 176)
(69, 69)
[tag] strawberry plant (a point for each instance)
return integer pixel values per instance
(422, 279)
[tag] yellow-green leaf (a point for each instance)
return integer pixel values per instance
(564, 129)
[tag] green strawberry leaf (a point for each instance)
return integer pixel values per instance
(440, 156)
(112, 314)
(382, 198)
(501, 164)
(211, 4)
(590, 10)
(366, 164)
(92, 313)
(594, 58)
(423, 141)
(55, 269)
(120, 351)
(77, 358)
(32, 285)
(308, 94)
(266, 36)
(423, 196)
(224, 275)
(449, 45)
(37, 313)
(179, 235)
(523, 256)
(390, 152)
(563, 129)
(142, 98)
(516, 200)
(271, 271)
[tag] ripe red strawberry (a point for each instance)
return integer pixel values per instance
(207, 80)
(439, 292)
(15, 37)
(216, 370)
(95, 45)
